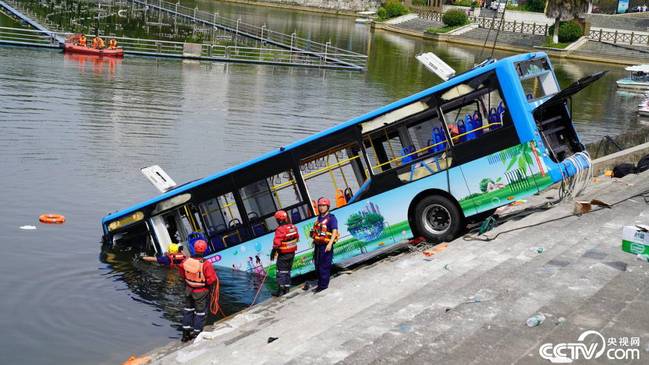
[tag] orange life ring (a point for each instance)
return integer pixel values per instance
(51, 218)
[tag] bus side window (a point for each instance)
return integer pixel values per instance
(264, 197)
(221, 215)
(336, 174)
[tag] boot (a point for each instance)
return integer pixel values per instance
(285, 290)
(187, 335)
(278, 293)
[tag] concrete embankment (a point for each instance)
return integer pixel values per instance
(468, 304)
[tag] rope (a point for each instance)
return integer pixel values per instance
(493, 22)
(258, 290)
(215, 307)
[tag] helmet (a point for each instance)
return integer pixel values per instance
(324, 201)
(173, 248)
(281, 216)
(200, 246)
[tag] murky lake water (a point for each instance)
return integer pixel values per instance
(76, 131)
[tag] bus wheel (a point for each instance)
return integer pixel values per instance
(437, 218)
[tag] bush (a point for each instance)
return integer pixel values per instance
(537, 6)
(455, 18)
(382, 13)
(466, 3)
(392, 9)
(569, 31)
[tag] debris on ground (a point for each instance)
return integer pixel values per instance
(134, 360)
(435, 249)
(535, 320)
(28, 227)
(271, 339)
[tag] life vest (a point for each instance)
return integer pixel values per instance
(289, 242)
(176, 259)
(194, 275)
(320, 232)
(82, 41)
(112, 44)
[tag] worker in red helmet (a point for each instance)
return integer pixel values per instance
(325, 235)
(199, 276)
(284, 247)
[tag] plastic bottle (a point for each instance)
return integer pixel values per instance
(535, 320)
(643, 257)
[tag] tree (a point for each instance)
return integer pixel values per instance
(564, 10)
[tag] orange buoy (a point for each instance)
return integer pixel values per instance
(51, 219)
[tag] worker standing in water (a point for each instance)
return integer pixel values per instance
(325, 235)
(284, 247)
(199, 275)
(172, 258)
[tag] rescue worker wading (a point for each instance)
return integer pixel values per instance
(325, 235)
(199, 275)
(284, 247)
(172, 258)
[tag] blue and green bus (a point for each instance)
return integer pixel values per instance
(422, 166)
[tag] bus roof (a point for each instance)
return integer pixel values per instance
(382, 110)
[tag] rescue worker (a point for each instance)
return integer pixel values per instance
(325, 235)
(199, 275)
(172, 258)
(284, 247)
(112, 43)
(98, 43)
(83, 41)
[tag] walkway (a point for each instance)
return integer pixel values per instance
(466, 305)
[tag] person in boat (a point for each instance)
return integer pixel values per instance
(172, 258)
(199, 276)
(284, 247)
(325, 235)
(83, 41)
(98, 43)
(112, 43)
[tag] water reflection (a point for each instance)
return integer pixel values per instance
(98, 65)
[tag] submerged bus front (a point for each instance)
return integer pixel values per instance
(421, 166)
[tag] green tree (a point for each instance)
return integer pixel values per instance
(484, 184)
(564, 10)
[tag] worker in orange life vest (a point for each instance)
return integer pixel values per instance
(199, 275)
(325, 235)
(172, 258)
(112, 43)
(284, 247)
(82, 40)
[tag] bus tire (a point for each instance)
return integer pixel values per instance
(437, 219)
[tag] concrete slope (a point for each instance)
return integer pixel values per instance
(467, 305)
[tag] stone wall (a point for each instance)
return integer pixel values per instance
(330, 5)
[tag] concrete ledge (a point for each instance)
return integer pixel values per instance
(629, 155)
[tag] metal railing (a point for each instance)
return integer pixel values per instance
(489, 22)
(262, 34)
(205, 51)
(619, 37)
(27, 37)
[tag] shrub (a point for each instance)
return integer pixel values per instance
(569, 31)
(466, 3)
(455, 18)
(382, 13)
(391, 9)
(537, 6)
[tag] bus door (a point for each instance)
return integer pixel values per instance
(174, 225)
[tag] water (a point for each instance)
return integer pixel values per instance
(75, 132)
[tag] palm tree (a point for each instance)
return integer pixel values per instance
(564, 10)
